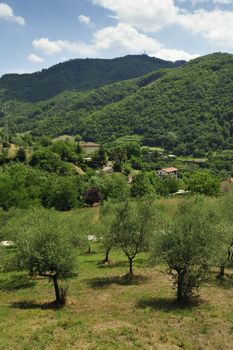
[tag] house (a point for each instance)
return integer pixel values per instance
(108, 170)
(172, 156)
(227, 185)
(168, 172)
(180, 193)
(89, 147)
(87, 159)
(6, 243)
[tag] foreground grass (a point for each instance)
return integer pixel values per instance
(105, 312)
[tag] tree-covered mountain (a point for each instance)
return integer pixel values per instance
(81, 74)
(186, 110)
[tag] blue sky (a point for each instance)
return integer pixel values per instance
(36, 34)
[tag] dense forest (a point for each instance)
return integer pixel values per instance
(160, 107)
(81, 74)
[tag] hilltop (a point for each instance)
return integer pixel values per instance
(80, 74)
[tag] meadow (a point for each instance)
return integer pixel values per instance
(105, 311)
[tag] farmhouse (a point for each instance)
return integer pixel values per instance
(90, 147)
(168, 172)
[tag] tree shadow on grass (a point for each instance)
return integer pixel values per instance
(114, 264)
(104, 282)
(90, 254)
(16, 282)
(32, 305)
(225, 282)
(165, 305)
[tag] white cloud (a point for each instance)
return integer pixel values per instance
(198, 2)
(50, 47)
(35, 58)
(174, 55)
(124, 37)
(47, 46)
(216, 26)
(7, 14)
(152, 15)
(85, 20)
(121, 39)
(224, 2)
(149, 15)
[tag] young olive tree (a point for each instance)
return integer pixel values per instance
(106, 237)
(188, 245)
(43, 247)
(131, 229)
(84, 227)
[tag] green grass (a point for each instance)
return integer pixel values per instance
(159, 149)
(191, 159)
(105, 312)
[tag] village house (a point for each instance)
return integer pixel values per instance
(89, 147)
(168, 172)
(108, 170)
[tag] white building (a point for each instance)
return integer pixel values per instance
(168, 172)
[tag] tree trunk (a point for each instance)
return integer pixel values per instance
(221, 273)
(57, 290)
(31, 271)
(89, 249)
(130, 266)
(106, 260)
(181, 292)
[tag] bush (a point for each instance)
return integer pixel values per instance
(92, 196)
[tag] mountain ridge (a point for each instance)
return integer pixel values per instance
(79, 74)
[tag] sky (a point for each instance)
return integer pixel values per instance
(36, 34)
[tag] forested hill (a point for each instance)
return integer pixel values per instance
(184, 110)
(81, 74)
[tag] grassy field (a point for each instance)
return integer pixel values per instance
(105, 312)
(11, 151)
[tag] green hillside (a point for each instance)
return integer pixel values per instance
(186, 110)
(81, 74)
(67, 112)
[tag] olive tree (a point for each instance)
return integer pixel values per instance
(187, 244)
(105, 228)
(84, 227)
(131, 229)
(43, 247)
